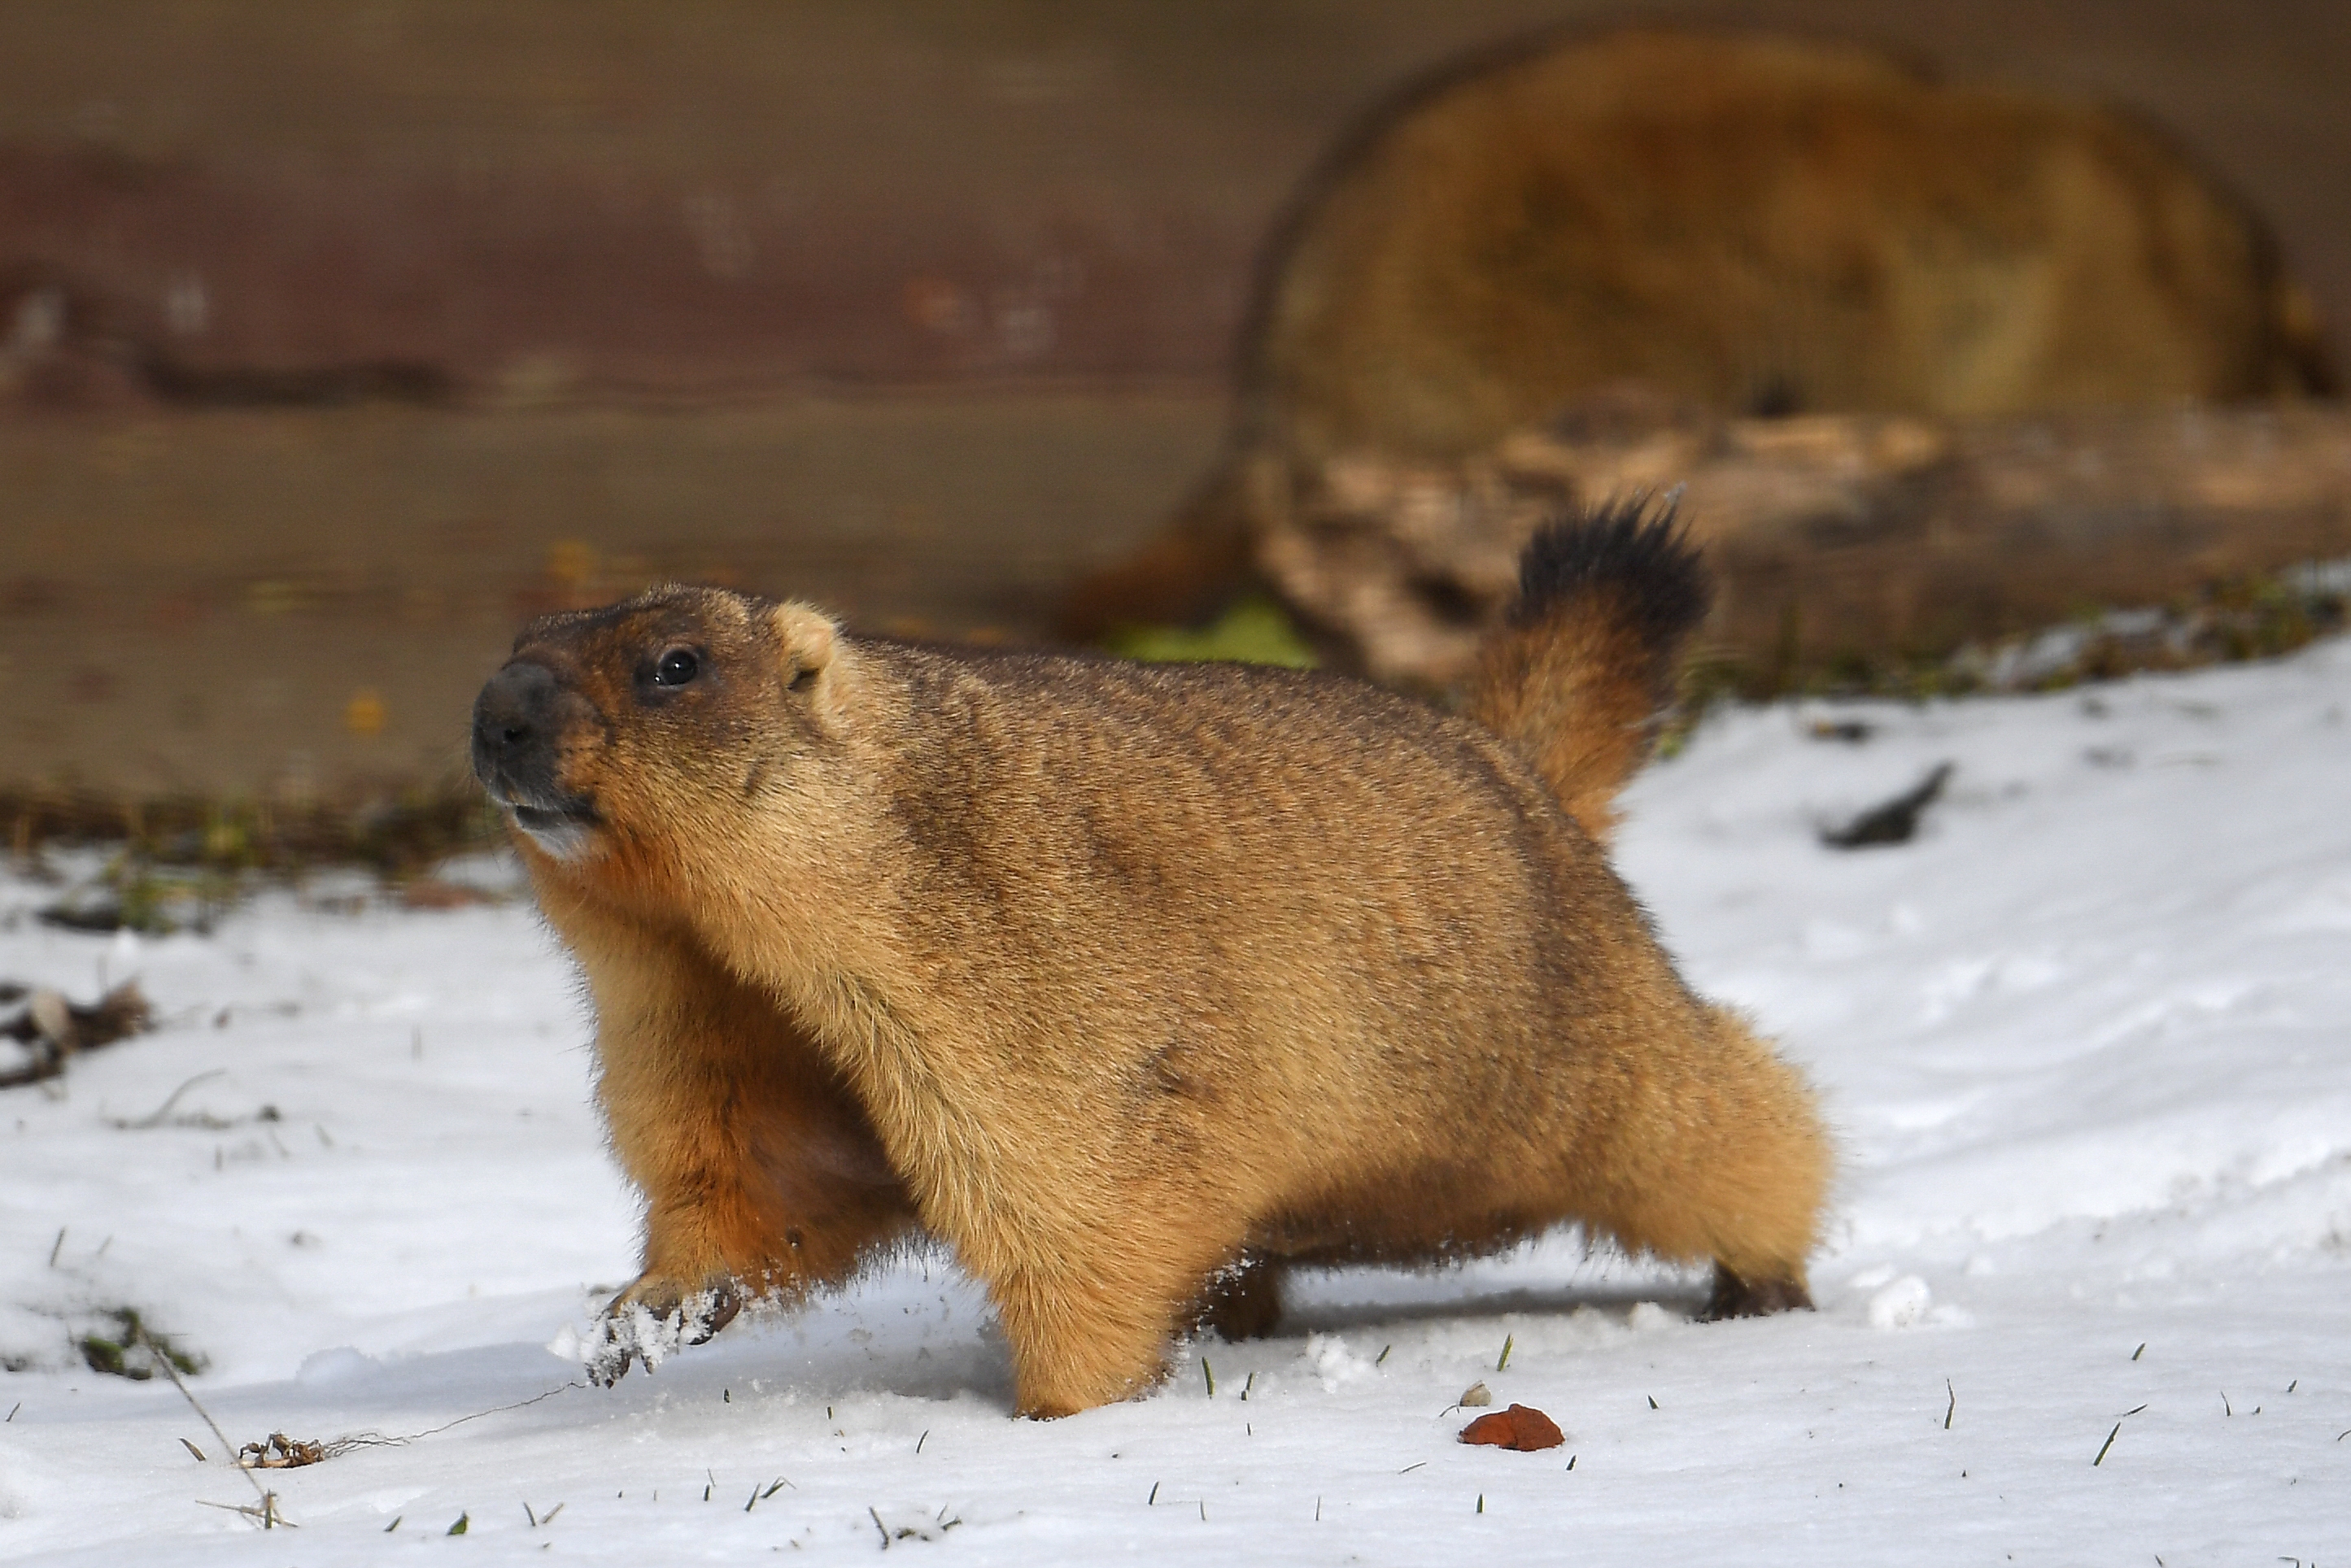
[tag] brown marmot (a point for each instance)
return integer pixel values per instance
(1131, 983)
(1746, 223)
(1758, 225)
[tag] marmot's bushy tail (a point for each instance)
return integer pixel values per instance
(1578, 675)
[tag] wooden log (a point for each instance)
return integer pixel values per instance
(1852, 542)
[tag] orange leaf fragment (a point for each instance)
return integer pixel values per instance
(1522, 1427)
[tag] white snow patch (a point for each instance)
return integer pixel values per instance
(325, 1369)
(1902, 1305)
(1335, 1363)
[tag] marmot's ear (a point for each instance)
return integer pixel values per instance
(808, 643)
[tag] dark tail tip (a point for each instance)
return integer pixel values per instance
(1637, 552)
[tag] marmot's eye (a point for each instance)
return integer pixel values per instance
(677, 667)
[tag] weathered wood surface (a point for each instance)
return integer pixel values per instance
(1834, 538)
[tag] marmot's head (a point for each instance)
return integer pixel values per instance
(655, 718)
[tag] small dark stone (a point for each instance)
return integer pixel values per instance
(1895, 821)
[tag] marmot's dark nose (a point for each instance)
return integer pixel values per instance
(514, 728)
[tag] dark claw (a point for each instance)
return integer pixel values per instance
(725, 1302)
(610, 1363)
(692, 1320)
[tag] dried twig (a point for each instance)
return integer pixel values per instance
(264, 1513)
(280, 1452)
(155, 1118)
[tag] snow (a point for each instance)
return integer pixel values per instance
(2086, 1042)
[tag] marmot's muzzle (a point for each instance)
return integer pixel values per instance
(514, 734)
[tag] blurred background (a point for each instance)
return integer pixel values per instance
(336, 340)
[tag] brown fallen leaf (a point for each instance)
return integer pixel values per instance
(1522, 1427)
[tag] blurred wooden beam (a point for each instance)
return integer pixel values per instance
(1837, 540)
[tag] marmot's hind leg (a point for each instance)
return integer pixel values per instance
(1736, 1297)
(1243, 1298)
(1723, 1158)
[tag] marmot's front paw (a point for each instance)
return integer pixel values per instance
(651, 1319)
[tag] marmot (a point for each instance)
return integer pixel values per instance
(1759, 226)
(1131, 983)
(1746, 223)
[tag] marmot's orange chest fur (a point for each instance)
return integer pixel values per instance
(1130, 984)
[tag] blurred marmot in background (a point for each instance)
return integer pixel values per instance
(1131, 983)
(1751, 225)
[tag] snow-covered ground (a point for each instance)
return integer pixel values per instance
(2087, 1042)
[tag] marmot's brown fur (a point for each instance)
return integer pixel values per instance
(1131, 983)
(1758, 225)
(1747, 223)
